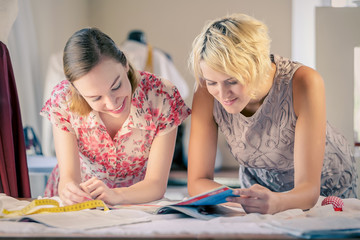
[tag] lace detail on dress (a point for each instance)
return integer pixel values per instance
(263, 144)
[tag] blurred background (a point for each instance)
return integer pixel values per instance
(322, 34)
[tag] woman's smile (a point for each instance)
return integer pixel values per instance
(120, 108)
(229, 102)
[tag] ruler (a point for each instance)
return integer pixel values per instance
(52, 206)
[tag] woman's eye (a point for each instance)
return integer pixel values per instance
(233, 82)
(210, 83)
(117, 87)
(96, 99)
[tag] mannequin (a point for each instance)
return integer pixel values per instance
(137, 35)
(137, 50)
(8, 13)
(54, 75)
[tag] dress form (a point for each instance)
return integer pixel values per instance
(137, 35)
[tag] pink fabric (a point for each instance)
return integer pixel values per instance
(157, 108)
(13, 164)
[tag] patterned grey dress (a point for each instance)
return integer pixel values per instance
(263, 144)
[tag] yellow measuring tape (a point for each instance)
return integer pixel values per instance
(37, 206)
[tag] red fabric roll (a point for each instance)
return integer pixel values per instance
(13, 164)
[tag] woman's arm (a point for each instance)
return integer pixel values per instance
(309, 148)
(69, 167)
(153, 186)
(203, 143)
(310, 134)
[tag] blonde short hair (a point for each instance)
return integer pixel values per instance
(237, 45)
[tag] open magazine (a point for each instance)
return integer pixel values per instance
(204, 206)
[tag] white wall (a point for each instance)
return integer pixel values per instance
(357, 94)
(337, 34)
(55, 21)
(303, 31)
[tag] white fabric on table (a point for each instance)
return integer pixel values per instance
(295, 222)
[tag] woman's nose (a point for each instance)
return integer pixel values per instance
(111, 102)
(222, 91)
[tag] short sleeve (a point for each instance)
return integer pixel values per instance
(159, 105)
(57, 109)
(174, 109)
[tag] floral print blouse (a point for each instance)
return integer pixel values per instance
(156, 109)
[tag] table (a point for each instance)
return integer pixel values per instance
(111, 237)
(322, 219)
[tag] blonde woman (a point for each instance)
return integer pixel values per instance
(271, 111)
(114, 127)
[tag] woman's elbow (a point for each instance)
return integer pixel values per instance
(313, 197)
(159, 190)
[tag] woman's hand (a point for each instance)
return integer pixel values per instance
(71, 193)
(97, 189)
(257, 199)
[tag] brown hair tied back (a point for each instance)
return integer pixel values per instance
(82, 52)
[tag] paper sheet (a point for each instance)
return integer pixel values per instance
(87, 219)
(323, 221)
(84, 219)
